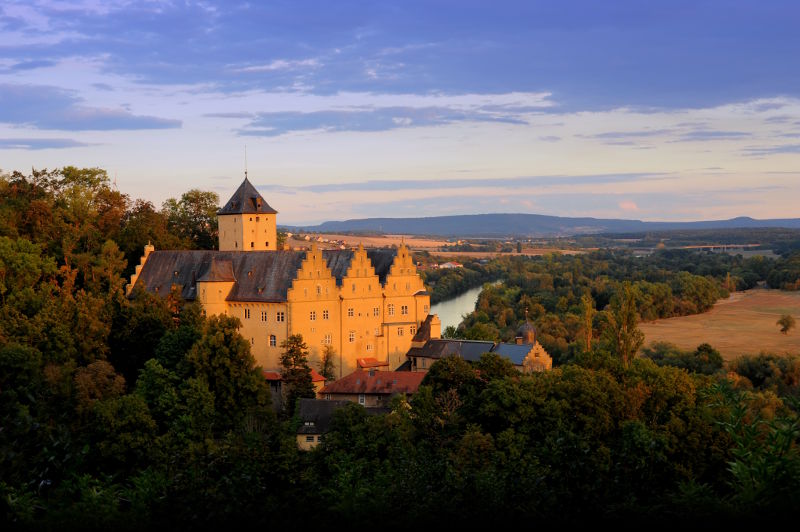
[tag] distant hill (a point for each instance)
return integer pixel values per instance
(528, 225)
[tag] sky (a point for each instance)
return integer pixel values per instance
(679, 110)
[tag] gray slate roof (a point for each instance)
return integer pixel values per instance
(470, 350)
(320, 413)
(260, 276)
(516, 353)
(247, 200)
(467, 349)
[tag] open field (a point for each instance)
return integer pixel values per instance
(431, 245)
(379, 241)
(741, 324)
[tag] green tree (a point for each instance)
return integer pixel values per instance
(194, 218)
(221, 358)
(621, 335)
(787, 322)
(327, 364)
(296, 374)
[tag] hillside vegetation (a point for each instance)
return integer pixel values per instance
(123, 413)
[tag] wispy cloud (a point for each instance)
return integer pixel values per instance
(39, 144)
(704, 135)
(762, 151)
(45, 107)
(281, 64)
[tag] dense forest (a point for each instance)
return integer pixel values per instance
(138, 412)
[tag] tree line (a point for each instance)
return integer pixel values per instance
(141, 412)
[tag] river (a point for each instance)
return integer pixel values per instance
(450, 311)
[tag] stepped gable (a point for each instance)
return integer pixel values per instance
(263, 276)
(516, 353)
(246, 200)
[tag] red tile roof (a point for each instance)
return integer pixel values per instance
(316, 377)
(370, 362)
(376, 383)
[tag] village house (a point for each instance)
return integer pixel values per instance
(372, 388)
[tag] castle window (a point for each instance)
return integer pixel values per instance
(354, 287)
(305, 292)
(252, 341)
(247, 313)
(350, 312)
(252, 244)
(266, 244)
(272, 340)
(263, 315)
(399, 331)
(376, 311)
(279, 316)
(391, 309)
(404, 310)
(325, 314)
(362, 399)
(425, 308)
(327, 339)
(251, 218)
(377, 332)
(235, 244)
(369, 347)
(313, 315)
(257, 218)
(319, 290)
(352, 336)
(412, 330)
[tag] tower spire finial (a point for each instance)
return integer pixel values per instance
(245, 161)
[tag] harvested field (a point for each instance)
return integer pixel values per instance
(741, 324)
(380, 241)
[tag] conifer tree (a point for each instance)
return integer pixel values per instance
(296, 372)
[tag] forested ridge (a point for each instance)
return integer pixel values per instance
(137, 412)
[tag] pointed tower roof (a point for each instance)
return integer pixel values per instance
(246, 200)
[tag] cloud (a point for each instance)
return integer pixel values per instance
(32, 65)
(614, 135)
(281, 64)
(628, 206)
(495, 183)
(772, 150)
(45, 107)
(39, 144)
(550, 138)
(383, 112)
(703, 135)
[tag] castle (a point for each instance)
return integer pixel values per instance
(362, 303)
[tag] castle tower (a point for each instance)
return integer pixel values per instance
(247, 222)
